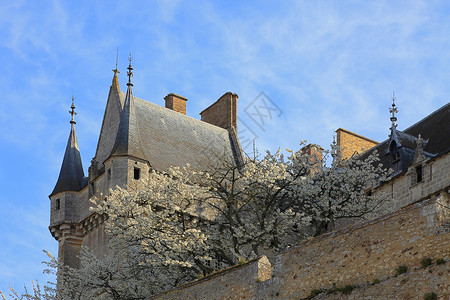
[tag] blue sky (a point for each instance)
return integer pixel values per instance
(320, 64)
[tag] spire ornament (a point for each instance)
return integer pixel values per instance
(117, 60)
(130, 72)
(71, 176)
(72, 111)
(393, 110)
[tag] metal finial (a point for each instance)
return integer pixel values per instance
(117, 56)
(117, 60)
(393, 110)
(72, 111)
(130, 72)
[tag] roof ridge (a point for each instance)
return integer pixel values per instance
(427, 116)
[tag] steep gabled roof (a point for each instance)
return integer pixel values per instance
(71, 177)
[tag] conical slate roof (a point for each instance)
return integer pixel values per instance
(111, 120)
(71, 177)
(127, 138)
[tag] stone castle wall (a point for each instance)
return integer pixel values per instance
(355, 255)
(414, 284)
(237, 282)
(406, 190)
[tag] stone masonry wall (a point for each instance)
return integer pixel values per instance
(239, 282)
(362, 252)
(414, 284)
(352, 143)
(355, 255)
(405, 190)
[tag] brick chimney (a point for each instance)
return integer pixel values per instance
(176, 103)
(316, 156)
(352, 143)
(223, 112)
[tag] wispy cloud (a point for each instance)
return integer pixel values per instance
(325, 64)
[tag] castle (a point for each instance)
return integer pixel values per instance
(419, 156)
(402, 254)
(138, 136)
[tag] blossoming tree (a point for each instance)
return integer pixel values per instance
(175, 226)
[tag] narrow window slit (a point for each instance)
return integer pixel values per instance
(137, 173)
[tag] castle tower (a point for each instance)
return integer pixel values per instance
(136, 136)
(65, 198)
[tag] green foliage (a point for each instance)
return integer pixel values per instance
(346, 290)
(375, 281)
(440, 261)
(401, 269)
(430, 296)
(426, 262)
(315, 293)
(333, 290)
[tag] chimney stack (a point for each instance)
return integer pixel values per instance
(316, 156)
(351, 143)
(176, 103)
(223, 112)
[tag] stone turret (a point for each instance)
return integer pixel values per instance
(71, 177)
(65, 200)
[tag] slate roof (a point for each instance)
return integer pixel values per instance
(110, 123)
(435, 128)
(71, 176)
(127, 139)
(160, 135)
(169, 138)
